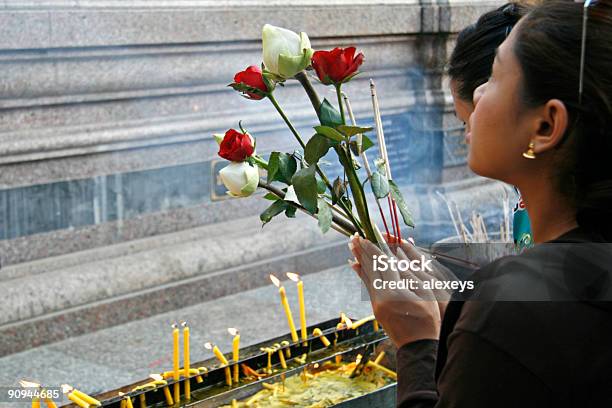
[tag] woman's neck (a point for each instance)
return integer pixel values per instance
(549, 212)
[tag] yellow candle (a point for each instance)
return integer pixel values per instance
(36, 403)
(379, 358)
(223, 360)
(317, 332)
(143, 400)
(186, 360)
(384, 369)
(86, 398)
(285, 302)
(285, 343)
(300, 289)
(50, 403)
(129, 402)
(234, 403)
(376, 327)
(281, 357)
(235, 351)
(362, 321)
(175, 362)
(159, 380)
(77, 400)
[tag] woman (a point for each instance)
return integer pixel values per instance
(470, 66)
(544, 124)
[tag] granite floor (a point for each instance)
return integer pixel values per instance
(129, 352)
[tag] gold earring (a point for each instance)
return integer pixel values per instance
(530, 154)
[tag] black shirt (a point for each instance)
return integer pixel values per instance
(536, 332)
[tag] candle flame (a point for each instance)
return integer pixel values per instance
(208, 345)
(348, 322)
(233, 331)
(156, 377)
(275, 280)
(66, 388)
(293, 276)
(183, 324)
(121, 394)
(28, 384)
(174, 326)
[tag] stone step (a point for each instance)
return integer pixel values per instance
(142, 278)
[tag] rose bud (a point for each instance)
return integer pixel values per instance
(240, 178)
(236, 146)
(336, 66)
(251, 77)
(284, 52)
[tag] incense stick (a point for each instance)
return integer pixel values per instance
(364, 158)
(383, 153)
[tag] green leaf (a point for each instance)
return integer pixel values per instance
(271, 197)
(317, 147)
(396, 194)
(325, 215)
(272, 211)
(281, 167)
(290, 211)
(321, 187)
(338, 190)
(353, 130)
(305, 186)
(329, 115)
(330, 133)
(366, 143)
(380, 185)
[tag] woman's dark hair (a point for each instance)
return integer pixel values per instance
(471, 61)
(548, 48)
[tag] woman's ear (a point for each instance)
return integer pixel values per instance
(551, 125)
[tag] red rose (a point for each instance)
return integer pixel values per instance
(251, 77)
(336, 66)
(236, 146)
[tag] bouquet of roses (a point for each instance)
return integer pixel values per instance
(295, 181)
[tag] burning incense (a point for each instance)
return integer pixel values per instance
(383, 153)
(364, 158)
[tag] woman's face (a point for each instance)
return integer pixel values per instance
(499, 131)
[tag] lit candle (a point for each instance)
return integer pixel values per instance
(159, 380)
(74, 398)
(283, 296)
(175, 362)
(235, 351)
(286, 344)
(300, 289)
(127, 400)
(222, 359)
(317, 332)
(186, 360)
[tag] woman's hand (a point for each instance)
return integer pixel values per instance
(409, 314)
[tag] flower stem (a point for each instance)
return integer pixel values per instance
(310, 91)
(286, 119)
(339, 224)
(340, 105)
(260, 162)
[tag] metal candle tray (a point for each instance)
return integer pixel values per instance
(213, 391)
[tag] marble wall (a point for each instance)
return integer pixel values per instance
(108, 106)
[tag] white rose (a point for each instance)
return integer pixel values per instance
(284, 52)
(240, 178)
